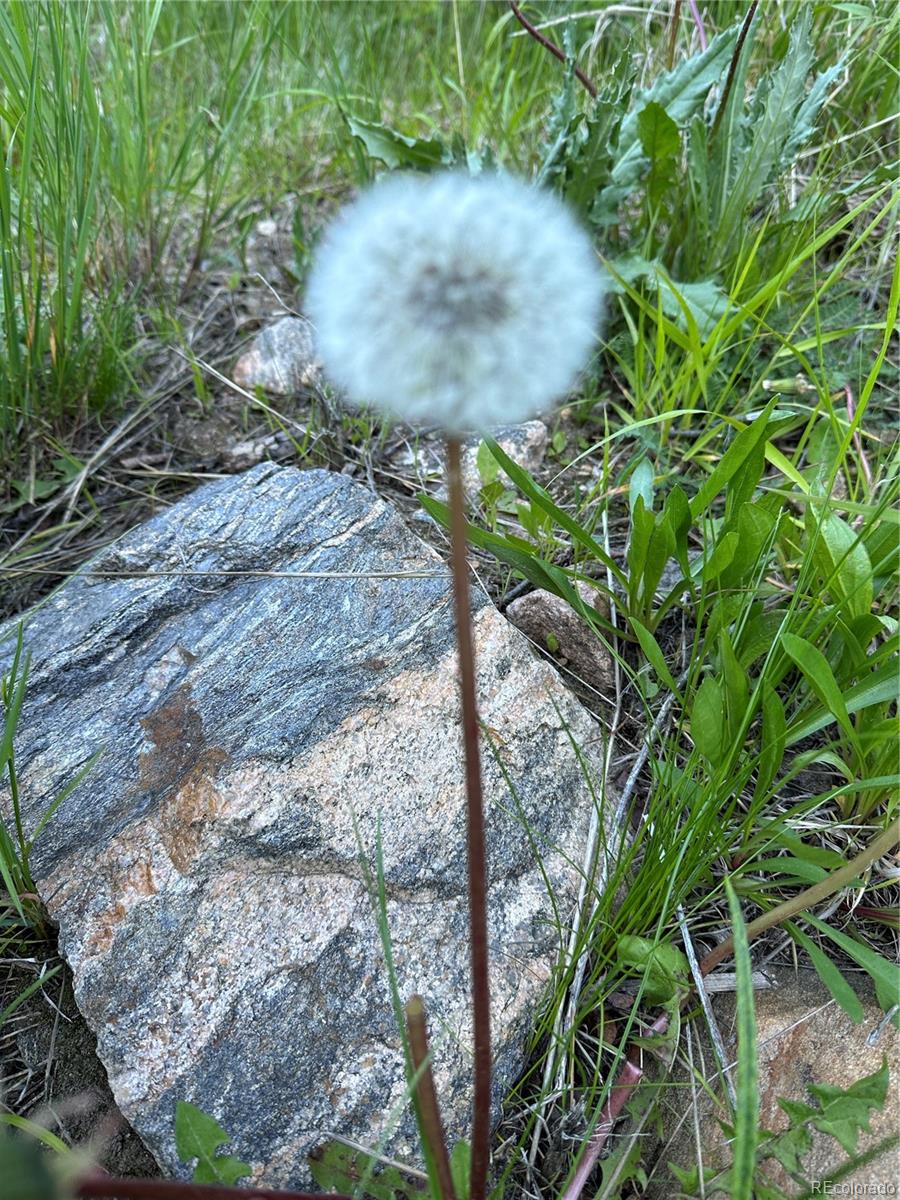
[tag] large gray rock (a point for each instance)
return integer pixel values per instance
(284, 668)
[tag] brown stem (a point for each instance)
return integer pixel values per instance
(106, 1187)
(430, 1113)
(478, 935)
(810, 896)
(548, 45)
(732, 68)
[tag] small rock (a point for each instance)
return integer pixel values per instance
(525, 444)
(267, 228)
(554, 625)
(274, 693)
(804, 1038)
(281, 360)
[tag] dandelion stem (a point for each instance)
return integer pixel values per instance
(432, 1127)
(477, 872)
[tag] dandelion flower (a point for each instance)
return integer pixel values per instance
(456, 301)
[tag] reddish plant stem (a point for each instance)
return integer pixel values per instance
(732, 68)
(548, 45)
(621, 1092)
(477, 872)
(106, 1187)
(429, 1111)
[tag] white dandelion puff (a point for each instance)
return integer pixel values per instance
(460, 302)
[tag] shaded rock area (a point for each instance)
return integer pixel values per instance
(263, 663)
(281, 360)
(804, 1038)
(553, 625)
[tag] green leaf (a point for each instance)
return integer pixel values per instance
(461, 1169)
(681, 93)
(774, 734)
(654, 655)
(198, 1136)
(732, 460)
(538, 496)
(845, 1111)
(843, 562)
(488, 467)
(664, 969)
(396, 150)
(339, 1168)
(641, 485)
(883, 973)
(814, 666)
(746, 1117)
(737, 687)
(880, 687)
(661, 143)
(834, 981)
(708, 720)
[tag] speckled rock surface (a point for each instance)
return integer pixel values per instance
(281, 359)
(553, 624)
(288, 664)
(804, 1038)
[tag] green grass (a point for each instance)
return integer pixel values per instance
(727, 479)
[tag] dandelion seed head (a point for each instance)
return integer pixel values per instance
(455, 301)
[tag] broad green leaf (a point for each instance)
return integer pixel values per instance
(198, 1136)
(731, 461)
(708, 720)
(814, 666)
(488, 467)
(722, 555)
(746, 1116)
(843, 562)
(737, 686)
(845, 1111)
(461, 1168)
(878, 688)
(834, 981)
(654, 655)
(396, 150)
(681, 93)
(883, 973)
(336, 1167)
(661, 144)
(641, 484)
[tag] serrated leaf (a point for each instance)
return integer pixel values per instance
(199, 1136)
(681, 93)
(395, 149)
(845, 1111)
